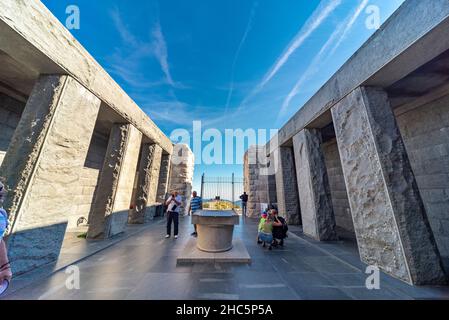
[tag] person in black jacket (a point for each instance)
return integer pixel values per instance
(244, 198)
(280, 232)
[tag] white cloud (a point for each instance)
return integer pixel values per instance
(350, 24)
(237, 54)
(324, 10)
(161, 52)
(314, 22)
(127, 65)
(335, 41)
(183, 114)
(126, 36)
(132, 77)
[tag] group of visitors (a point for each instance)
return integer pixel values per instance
(173, 205)
(272, 229)
(5, 267)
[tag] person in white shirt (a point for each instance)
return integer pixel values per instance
(174, 205)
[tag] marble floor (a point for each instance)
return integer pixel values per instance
(143, 266)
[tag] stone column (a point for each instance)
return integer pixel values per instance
(286, 185)
(271, 189)
(42, 168)
(164, 175)
(318, 220)
(255, 181)
(181, 174)
(147, 184)
(109, 214)
(389, 217)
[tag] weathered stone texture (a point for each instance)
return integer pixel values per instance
(43, 166)
(317, 214)
(181, 174)
(110, 211)
(164, 176)
(10, 113)
(340, 202)
(255, 181)
(287, 186)
(27, 142)
(89, 177)
(271, 189)
(389, 218)
(147, 183)
(425, 130)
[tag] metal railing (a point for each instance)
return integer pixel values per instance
(223, 192)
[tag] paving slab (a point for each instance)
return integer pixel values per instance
(191, 254)
(138, 266)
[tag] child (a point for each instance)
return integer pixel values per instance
(266, 231)
(261, 224)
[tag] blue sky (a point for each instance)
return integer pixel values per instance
(229, 63)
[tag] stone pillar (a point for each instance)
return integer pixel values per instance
(318, 220)
(255, 181)
(286, 185)
(389, 217)
(147, 184)
(271, 189)
(181, 174)
(164, 176)
(110, 210)
(42, 168)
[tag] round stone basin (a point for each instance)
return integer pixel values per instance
(215, 230)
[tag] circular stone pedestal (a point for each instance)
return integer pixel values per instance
(215, 238)
(215, 230)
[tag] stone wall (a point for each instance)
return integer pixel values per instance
(271, 189)
(255, 183)
(425, 131)
(286, 185)
(110, 211)
(10, 113)
(340, 202)
(164, 176)
(54, 157)
(181, 174)
(146, 184)
(43, 168)
(89, 175)
(317, 214)
(389, 217)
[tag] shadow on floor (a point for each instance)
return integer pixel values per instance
(143, 266)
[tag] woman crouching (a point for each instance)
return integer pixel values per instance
(266, 230)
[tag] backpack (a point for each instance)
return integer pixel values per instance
(284, 225)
